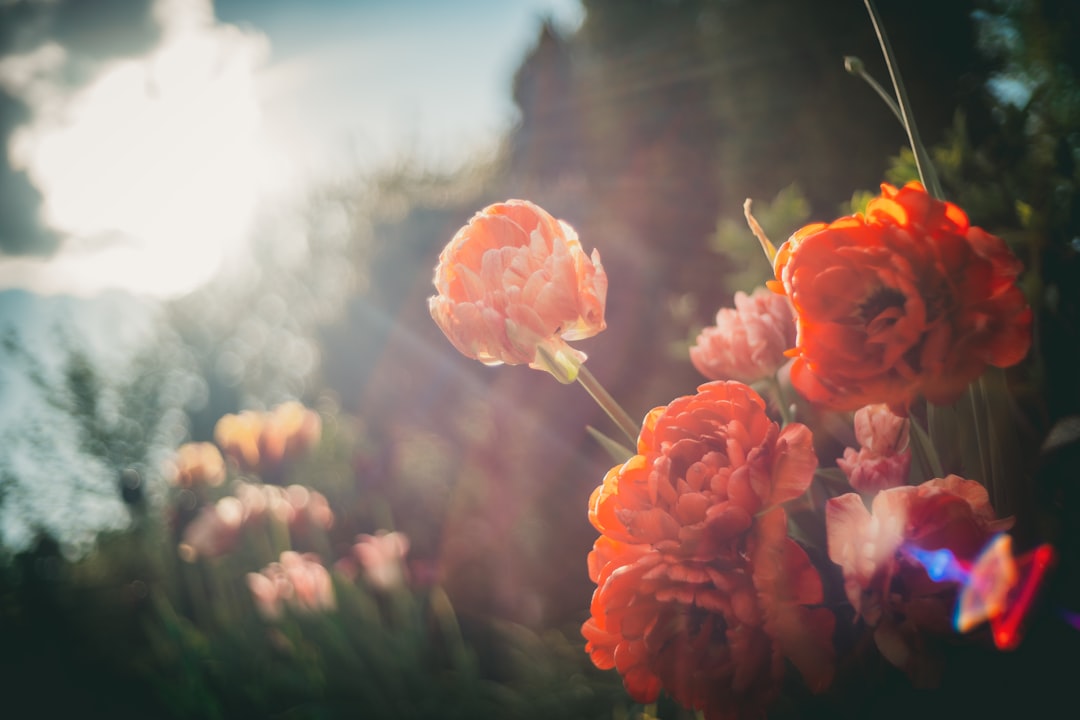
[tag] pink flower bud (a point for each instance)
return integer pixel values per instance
(382, 557)
(748, 341)
(885, 457)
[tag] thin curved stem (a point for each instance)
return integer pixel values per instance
(855, 66)
(781, 400)
(607, 403)
(976, 422)
(926, 448)
(922, 158)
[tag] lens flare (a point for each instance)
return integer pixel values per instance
(997, 587)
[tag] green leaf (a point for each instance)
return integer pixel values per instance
(618, 452)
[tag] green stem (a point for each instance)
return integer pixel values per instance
(976, 422)
(993, 461)
(855, 66)
(607, 404)
(926, 448)
(922, 158)
(781, 401)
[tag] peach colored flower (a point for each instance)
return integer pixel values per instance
(888, 587)
(884, 459)
(748, 341)
(699, 590)
(288, 430)
(238, 437)
(909, 299)
(260, 441)
(299, 582)
(514, 285)
(197, 464)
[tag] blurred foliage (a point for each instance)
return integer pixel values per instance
(183, 632)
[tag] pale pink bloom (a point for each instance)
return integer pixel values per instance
(196, 465)
(266, 592)
(254, 498)
(382, 558)
(297, 506)
(310, 508)
(299, 582)
(748, 341)
(214, 530)
(880, 431)
(885, 456)
(261, 501)
(887, 586)
(514, 285)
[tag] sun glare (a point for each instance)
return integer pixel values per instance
(153, 170)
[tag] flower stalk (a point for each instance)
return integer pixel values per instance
(921, 442)
(598, 393)
(855, 66)
(922, 158)
(608, 404)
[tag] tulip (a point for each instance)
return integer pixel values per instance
(514, 285)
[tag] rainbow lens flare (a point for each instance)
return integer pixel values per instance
(997, 587)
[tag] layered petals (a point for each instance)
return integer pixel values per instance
(514, 285)
(748, 342)
(699, 590)
(907, 299)
(706, 464)
(887, 586)
(884, 458)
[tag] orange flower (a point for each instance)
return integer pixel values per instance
(514, 285)
(195, 465)
(699, 590)
(261, 441)
(748, 341)
(887, 586)
(909, 299)
(885, 457)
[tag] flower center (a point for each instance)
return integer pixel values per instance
(882, 299)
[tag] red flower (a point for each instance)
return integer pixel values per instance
(699, 590)
(748, 341)
(884, 458)
(908, 299)
(888, 587)
(516, 280)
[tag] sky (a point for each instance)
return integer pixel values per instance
(142, 138)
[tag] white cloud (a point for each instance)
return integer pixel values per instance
(153, 170)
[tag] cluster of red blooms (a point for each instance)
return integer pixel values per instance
(700, 591)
